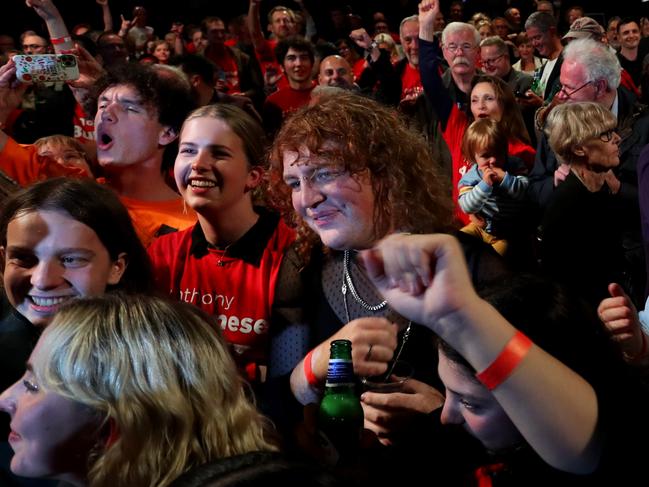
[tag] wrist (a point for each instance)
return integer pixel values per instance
(60, 40)
(507, 361)
(312, 379)
(641, 356)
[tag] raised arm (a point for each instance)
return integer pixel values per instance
(254, 25)
(380, 71)
(425, 278)
(429, 61)
(106, 16)
(310, 29)
(59, 35)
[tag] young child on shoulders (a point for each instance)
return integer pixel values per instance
(493, 189)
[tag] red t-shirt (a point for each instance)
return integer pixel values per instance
(84, 126)
(410, 81)
(226, 70)
(289, 99)
(237, 285)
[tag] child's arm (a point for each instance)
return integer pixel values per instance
(473, 191)
(516, 186)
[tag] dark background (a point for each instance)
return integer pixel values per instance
(16, 17)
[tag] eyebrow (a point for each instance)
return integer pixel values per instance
(126, 101)
(212, 147)
(464, 396)
(64, 250)
(29, 367)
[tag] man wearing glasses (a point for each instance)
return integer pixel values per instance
(460, 43)
(32, 43)
(496, 62)
(591, 72)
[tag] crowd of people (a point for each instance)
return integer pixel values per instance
(187, 225)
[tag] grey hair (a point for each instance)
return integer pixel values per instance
(542, 21)
(598, 61)
(455, 27)
(411, 18)
(495, 41)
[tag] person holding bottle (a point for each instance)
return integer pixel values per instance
(331, 179)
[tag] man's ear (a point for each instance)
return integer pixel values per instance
(167, 136)
(194, 79)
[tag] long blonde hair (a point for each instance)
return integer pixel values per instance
(163, 379)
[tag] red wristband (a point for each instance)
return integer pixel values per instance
(308, 371)
(510, 357)
(60, 40)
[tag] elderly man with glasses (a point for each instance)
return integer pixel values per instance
(32, 43)
(460, 47)
(591, 72)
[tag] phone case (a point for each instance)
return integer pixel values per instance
(39, 68)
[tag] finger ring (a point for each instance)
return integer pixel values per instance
(368, 355)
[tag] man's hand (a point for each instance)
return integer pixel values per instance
(561, 173)
(428, 12)
(388, 414)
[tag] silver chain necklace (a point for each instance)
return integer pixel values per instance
(349, 284)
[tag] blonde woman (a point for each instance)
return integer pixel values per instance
(386, 42)
(582, 226)
(129, 390)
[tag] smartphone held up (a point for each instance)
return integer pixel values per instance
(42, 68)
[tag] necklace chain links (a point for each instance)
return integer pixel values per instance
(349, 284)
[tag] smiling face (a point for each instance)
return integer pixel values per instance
(51, 435)
(335, 204)
(494, 62)
(212, 171)
(335, 71)
(126, 131)
(629, 35)
(51, 258)
(469, 404)
(484, 102)
(541, 41)
(410, 41)
(298, 67)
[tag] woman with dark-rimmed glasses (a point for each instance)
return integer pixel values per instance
(582, 226)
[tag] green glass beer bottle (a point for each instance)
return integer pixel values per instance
(340, 417)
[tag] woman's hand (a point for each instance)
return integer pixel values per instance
(374, 341)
